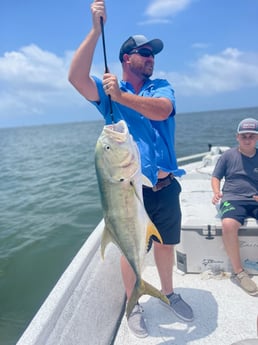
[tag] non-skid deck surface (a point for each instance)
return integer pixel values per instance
(224, 313)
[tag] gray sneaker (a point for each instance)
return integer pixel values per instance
(179, 307)
(246, 283)
(136, 322)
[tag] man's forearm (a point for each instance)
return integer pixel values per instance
(153, 108)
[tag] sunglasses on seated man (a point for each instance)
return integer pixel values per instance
(145, 52)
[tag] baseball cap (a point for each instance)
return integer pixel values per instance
(248, 125)
(137, 41)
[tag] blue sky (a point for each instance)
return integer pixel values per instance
(210, 54)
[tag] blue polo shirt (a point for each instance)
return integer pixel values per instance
(155, 139)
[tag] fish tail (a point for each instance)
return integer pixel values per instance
(143, 288)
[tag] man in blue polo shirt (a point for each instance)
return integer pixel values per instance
(148, 107)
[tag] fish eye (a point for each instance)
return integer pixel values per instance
(121, 179)
(107, 147)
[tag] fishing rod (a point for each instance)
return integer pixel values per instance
(106, 66)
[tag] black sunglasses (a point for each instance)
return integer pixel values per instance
(143, 52)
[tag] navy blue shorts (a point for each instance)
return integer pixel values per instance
(163, 208)
(239, 210)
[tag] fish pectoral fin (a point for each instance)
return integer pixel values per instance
(136, 193)
(143, 288)
(146, 181)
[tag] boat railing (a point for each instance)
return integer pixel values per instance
(192, 157)
(214, 151)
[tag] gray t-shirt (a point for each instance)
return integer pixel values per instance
(240, 173)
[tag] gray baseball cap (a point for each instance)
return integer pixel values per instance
(137, 41)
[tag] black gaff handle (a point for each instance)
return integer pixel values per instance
(106, 66)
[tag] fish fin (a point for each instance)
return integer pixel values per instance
(105, 240)
(146, 181)
(151, 232)
(143, 288)
(151, 228)
(135, 191)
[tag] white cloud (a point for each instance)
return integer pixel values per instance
(33, 66)
(161, 11)
(31, 79)
(34, 81)
(166, 8)
(227, 71)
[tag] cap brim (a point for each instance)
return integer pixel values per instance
(156, 45)
(247, 131)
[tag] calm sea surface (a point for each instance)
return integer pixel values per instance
(49, 202)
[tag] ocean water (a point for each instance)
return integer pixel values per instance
(49, 202)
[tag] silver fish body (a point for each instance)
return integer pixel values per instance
(127, 224)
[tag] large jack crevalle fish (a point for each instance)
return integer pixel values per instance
(127, 224)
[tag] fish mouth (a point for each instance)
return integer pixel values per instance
(117, 131)
(119, 152)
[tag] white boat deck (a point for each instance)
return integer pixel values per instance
(224, 314)
(87, 304)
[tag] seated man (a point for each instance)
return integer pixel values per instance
(239, 196)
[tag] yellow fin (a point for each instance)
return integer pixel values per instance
(152, 231)
(151, 228)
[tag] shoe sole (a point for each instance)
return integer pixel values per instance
(168, 306)
(139, 335)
